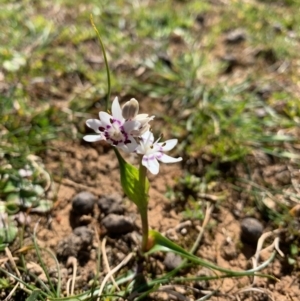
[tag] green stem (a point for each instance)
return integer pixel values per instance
(144, 209)
(106, 63)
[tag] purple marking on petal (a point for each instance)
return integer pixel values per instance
(101, 128)
(148, 158)
(117, 121)
(108, 127)
(159, 155)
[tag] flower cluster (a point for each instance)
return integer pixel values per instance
(130, 131)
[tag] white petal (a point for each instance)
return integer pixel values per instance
(141, 116)
(131, 146)
(93, 138)
(151, 163)
(123, 147)
(116, 110)
(148, 136)
(168, 145)
(94, 124)
(128, 147)
(167, 159)
(105, 118)
(140, 148)
(131, 125)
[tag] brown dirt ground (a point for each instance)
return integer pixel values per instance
(93, 168)
(77, 167)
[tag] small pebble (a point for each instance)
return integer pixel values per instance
(78, 241)
(172, 261)
(85, 234)
(183, 231)
(252, 229)
(117, 224)
(111, 204)
(83, 203)
(236, 36)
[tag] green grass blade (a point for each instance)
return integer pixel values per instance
(34, 296)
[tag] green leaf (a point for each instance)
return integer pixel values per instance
(30, 202)
(34, 295)
(43, 206)
(10, 187)
(294, 249)
(161, 243)
(9, 233)
(131, 184)
(12, 208)
(4, 283)
(13, 197)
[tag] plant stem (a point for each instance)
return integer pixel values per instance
(105, 61)
(144, 209)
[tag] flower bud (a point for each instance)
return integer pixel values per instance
(130, 109)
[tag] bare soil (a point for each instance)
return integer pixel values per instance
(78, 167)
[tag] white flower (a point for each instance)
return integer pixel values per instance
(153, 151)
(114, 129)
(130, 112)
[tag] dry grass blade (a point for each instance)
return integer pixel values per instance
(114, 270)
(72, 261)
(208, 212)
(255, 289)
(173, 295)
(106, 263)
(259, 249)
(11, 260)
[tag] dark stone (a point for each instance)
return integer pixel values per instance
(111, 204)
(85, 235)
(172, 261)
(79, 240)
(83, 203)
(252, 229)
(117, 224)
